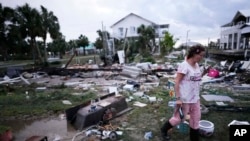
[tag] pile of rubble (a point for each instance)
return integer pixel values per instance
(137, 78)
(235, 73)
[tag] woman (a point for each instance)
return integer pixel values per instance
(187, 88)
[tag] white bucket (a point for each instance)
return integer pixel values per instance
(206, 128)
(90, 61)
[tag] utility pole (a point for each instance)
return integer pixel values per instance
(208, 42)
(159, 39)
(105, 45)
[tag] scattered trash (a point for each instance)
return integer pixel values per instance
(25, 80)
(57, 138)
(204, 109)
(171, 104)
(159, 100)
(152, 99)
(129, 99)
(62, 116)
(221, 104)
(236, 122)
(139, 104)
(41, 88)
(139, 94)
(27, 95)
(148, 135)
(66, 102)
(92, 106)
(128, 87)
(113, 89)
(107, 131)
(213, 73)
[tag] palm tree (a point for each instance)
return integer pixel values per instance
(29, 21)
(146, 38)
(58, 45)
(49, 25)
(72, 44)
(6, 15)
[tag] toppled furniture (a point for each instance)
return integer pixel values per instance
(104, 108)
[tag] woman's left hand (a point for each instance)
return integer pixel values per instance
(178, 103)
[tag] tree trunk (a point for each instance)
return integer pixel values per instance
(84, 51)
(45, 51)
(33, 44)
(4, 52)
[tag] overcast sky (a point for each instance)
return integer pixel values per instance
(201, 18)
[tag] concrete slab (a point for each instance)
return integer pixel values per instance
(245, 65)
(210, 97)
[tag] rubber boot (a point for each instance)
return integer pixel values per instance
(164, 131)
(194, 134)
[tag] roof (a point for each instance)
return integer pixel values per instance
(244, 13)
(132, 14)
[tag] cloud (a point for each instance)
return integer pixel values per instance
(202, 18)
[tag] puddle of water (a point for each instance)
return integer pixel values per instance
(54, 128)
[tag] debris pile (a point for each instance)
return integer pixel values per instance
(129, 83)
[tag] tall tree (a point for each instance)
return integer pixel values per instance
(99, 41)
(29, 21)
(167, 44)
(146, 39)
(83, 41)
(72, 44)
(58, 45)
(6, 16)
(49, 24)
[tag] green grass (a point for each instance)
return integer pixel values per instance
(30, 63)
(152, 117)
(15, 103)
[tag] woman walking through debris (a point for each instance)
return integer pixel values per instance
(187, 88)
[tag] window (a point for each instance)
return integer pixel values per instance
(121, 31)
(132, 30)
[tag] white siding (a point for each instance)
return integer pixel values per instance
(231, 36)
(131, 23)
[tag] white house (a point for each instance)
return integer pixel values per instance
(236, 33)
(127, 26)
